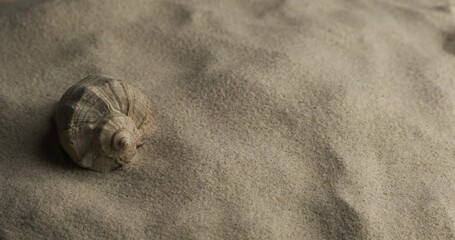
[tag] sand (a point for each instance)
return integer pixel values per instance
(328, 119)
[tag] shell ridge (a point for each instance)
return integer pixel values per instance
(117, 90)
(141, 117)
(102, 96)
(86, 107)
(117, 97)
(124, 88)
(109, 95)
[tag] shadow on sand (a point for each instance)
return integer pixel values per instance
(53, 151)
(449, 43)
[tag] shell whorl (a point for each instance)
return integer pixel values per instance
(117, 137)
(100, 121)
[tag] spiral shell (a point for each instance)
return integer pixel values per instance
(100, 122)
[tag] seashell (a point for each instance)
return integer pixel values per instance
(100, 122)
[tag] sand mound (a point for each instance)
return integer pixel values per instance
(276, 119)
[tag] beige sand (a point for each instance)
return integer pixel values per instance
(327, 119)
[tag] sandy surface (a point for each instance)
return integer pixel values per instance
(328, 119)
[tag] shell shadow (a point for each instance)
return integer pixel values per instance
(52, 151)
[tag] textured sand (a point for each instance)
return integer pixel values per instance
(327, 119)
